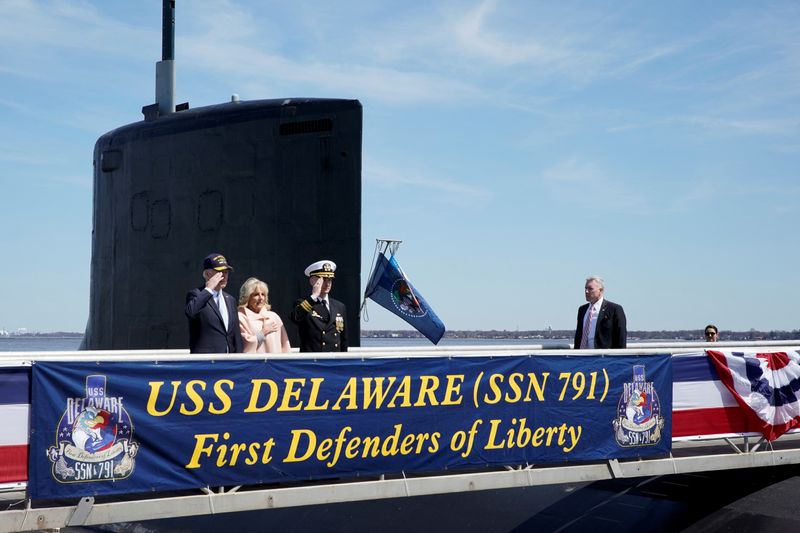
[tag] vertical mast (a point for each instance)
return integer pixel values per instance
(165, 69)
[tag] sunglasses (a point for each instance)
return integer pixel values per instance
(710, 333)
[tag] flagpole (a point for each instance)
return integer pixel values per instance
(390, 245)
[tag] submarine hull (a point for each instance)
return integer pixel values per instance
(274, 185)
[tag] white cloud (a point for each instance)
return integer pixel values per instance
(581, 182)
(252, 66)
(446, 190)
(475, 38)
(573, 170)
(765, 126)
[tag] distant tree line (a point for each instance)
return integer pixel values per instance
(45, 334)
(564, 334)
(556, 334)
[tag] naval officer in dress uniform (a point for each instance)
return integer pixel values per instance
(320, 318)
(213, 317)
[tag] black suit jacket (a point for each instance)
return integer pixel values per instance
(320, 330)
(207, 333)
(611, 330)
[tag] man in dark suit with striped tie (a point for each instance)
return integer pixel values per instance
(601, 323)
(320, 319)
(213, 317)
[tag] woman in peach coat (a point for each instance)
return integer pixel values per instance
(262, 329)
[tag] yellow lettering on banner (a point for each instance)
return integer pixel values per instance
(536, 440)
(427, 387)
(222, 450)
(290, 392)
(196, 402)
(372, 447)
(312, 399)
(201, 449)
(514, 383)
(551, 431)
(378, 394)
(434, 447)
(294, 446)
(155, 387)
(253, 407)
(533, 381)
(223, 396)
(252, 454)
(255, 447)
(491, 443)
(194, 396)
(351, 450)
(339, 444)
(575, 435)
(408, 444)
(349, 394)
(519, 435)
(389, 448)
(452, 394)
(495, 388)
(322, 450)
(403, 393)
(305, 444)
(229, 454)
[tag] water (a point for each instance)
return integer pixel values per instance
(69, 344)
(39, 344)
(371, 342)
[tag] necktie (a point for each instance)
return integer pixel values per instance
(223, 309)
(586, 326)
(324, 305)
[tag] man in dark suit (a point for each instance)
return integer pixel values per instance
(601, 323)
(213, 317)
(320, 318)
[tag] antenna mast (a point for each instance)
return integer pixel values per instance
(165, 69)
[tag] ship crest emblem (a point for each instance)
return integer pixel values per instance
(94, 441)
(405, 300)
(639, 421)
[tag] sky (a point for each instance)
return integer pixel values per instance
(514, 146)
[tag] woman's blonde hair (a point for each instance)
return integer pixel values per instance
(250, 286)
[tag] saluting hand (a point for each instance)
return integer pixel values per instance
(316, 288)
(214, 281)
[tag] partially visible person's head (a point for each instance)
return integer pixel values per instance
(711, 333)
(216, 263)
(593, 289)
(324, 269)
(254, 294)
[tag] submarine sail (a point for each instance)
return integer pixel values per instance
(274, 185)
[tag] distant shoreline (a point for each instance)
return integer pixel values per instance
(551, 334)
(562, 334)
(51, 335)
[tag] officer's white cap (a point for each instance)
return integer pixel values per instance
(324, 269)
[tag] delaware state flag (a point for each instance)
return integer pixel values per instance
(765, 385)
(390, 288)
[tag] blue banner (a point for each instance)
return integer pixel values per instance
(390, 288)
(113, 427)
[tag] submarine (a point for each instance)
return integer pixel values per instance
(272, 184)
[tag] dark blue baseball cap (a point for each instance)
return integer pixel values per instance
(216, 262)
